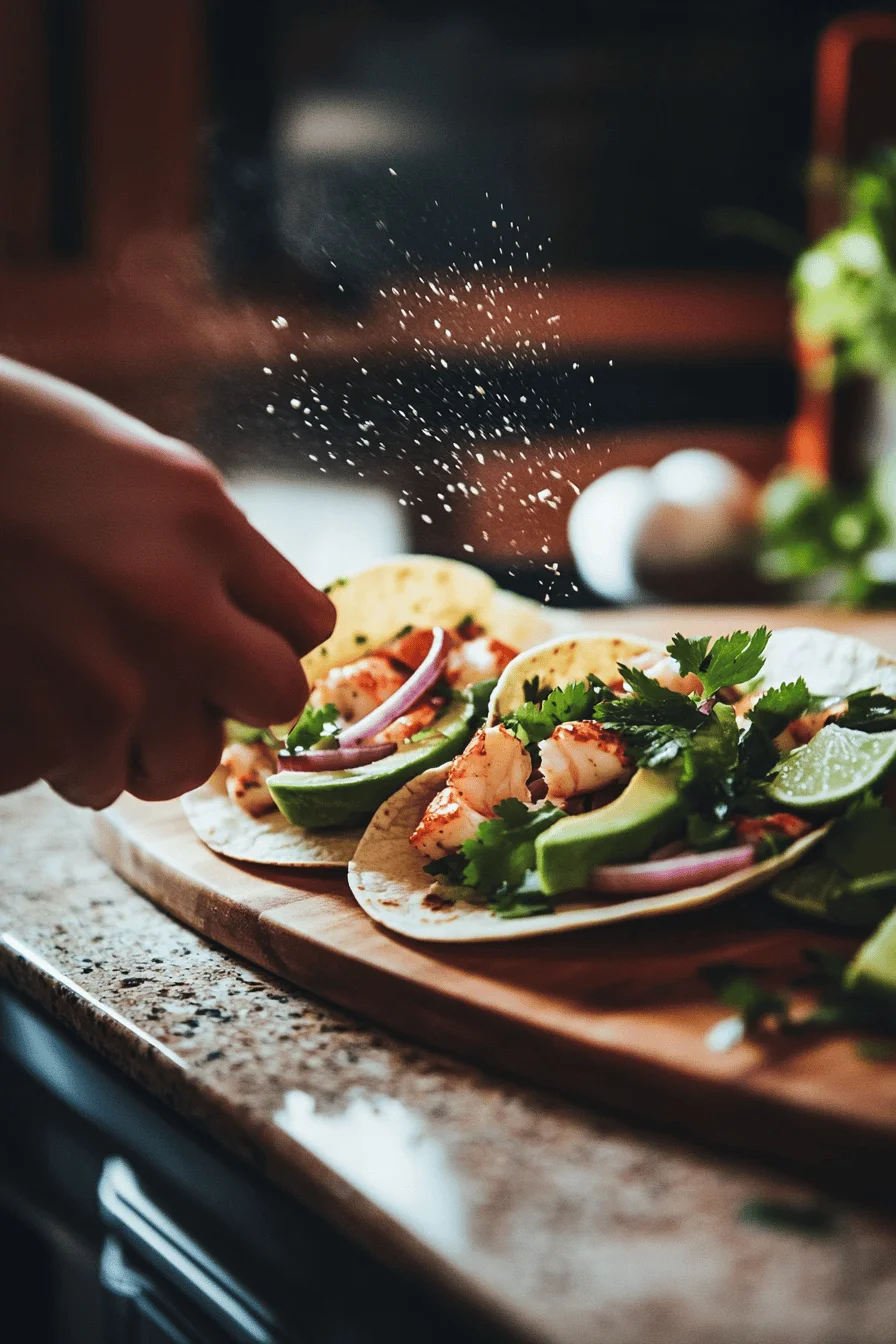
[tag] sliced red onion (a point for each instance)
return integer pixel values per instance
(658, 876)
(670, 850)
(333, 758)
(417, 684)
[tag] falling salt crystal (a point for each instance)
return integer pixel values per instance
(392, 172)
(426, 518)
(267, 370)
(295, 403)
(294, 357)
(467, 547)
(279, 322)
(544, 494)
(269, 408)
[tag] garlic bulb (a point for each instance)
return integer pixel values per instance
(691, 513)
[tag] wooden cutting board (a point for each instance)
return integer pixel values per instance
(617, 1015)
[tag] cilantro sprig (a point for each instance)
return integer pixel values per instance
(313, 727)
(656, 724)
(499, 861)
(537, 717)
(770, 716)
(730, 661)
(869, 712)
(852, 881)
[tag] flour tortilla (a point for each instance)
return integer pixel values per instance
(388, 881)
(371, 607)
(386, 874)
(420, 590)
(561, 661)
(271, 839)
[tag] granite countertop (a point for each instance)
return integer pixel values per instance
(562, 1223)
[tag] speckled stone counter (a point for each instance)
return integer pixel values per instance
(562, 1224)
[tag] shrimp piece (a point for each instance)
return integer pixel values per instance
(358, 688)
(477, 660)
(801, 730)
(248, 765)
(446, 824)
(667, 672)
(494, 766)
(416, 719)
(581, 758)
(743, 706)
(804, 729)
(409, 649)
(750, 830)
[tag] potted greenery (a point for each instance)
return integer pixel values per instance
(832, 540)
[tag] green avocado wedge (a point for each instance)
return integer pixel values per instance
(645, 814)
(324, 799)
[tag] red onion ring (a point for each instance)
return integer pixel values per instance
(333, 758)
(656, 877)
(669, 851)
(417, 684)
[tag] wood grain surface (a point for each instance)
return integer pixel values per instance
(617, 1015)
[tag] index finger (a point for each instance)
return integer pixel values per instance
(264, 585)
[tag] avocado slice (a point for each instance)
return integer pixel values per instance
(645, 814)
(328, 798)
(872, 971)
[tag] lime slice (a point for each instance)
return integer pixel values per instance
(836, 766)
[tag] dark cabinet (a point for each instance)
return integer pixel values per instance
(123, 1226)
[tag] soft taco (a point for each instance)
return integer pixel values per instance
(616, 779)
(400, 687)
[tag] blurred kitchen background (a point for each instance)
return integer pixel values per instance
(418, 277)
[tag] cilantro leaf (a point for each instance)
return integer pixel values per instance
(235, 731)
(736, 986)
(535, 690)
(450, 867)
(869, 712)
(779, 706)
(731, 660)
(852, 880)
(667, 706)
(708, 833)
(503, 851)
(863, 840)
(534, 720)
(770, 715)
(656, 724)
(689, 654)
(521, 899)
(312, 727)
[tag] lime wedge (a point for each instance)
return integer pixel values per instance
(836, 766)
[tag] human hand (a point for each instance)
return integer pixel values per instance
(138, 605)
